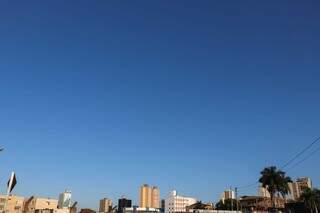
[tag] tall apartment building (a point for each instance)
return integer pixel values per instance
(64, 200)
(149, 197)
(155, 197)
(177, 203)
(105, 205)
(15, 204)
(297, 187)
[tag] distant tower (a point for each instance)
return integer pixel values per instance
(155, 197)
(64, 200)
(145, 196)
(105, 205)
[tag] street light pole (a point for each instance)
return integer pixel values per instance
(236, 192)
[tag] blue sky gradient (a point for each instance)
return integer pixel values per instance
(101, 97)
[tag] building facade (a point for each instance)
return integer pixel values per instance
(227, 195)
(200, 207)
(177, 203)
(137, 209)
(252, 203)
(40, 205)
(124, 203)
(87, 211)
(105, 205)
(15, 204)
(155, 197)
(149, 196)
(163, 205)
(297, 187)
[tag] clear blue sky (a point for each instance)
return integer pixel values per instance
(101, 97)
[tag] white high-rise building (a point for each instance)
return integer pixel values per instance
(178, 203)
(64, 200)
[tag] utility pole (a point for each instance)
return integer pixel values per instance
(236, 192)
(231, 192)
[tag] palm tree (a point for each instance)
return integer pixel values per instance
(311, 199)
(283, 188)
(275, 181)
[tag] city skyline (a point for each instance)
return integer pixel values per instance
(101, 97)
(175, 201)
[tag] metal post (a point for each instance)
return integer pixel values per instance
(236, 192)
(231, 198)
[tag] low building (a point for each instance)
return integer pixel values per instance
(40, 205)
(260, 203)
(87, 211)
(15, 204)
(136, 209)
(177, 203)
(73, 208)
(63, 210)
(200, 206)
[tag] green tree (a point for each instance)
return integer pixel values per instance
(275, 181)
(311, 199)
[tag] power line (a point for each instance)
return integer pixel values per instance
(291, 160)
(256, 186)
(300, 153)
(248, 186)
(304, 159)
